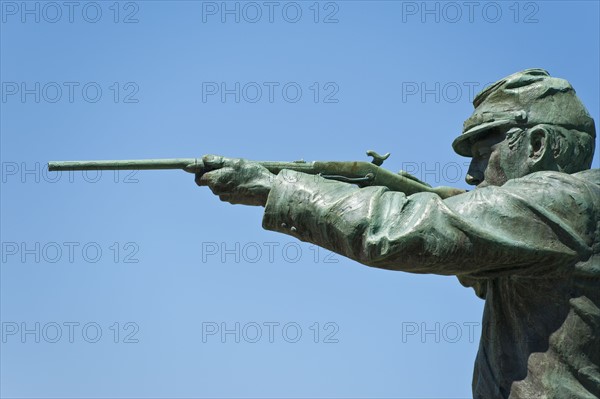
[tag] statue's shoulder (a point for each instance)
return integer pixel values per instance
(583, 177)
(552, 187)
(591, 175)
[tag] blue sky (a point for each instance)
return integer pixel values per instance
(140, 284)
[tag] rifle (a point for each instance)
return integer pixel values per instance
(362, 174)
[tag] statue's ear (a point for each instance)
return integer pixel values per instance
(539, 143)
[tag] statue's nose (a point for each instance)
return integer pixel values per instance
(472, 180)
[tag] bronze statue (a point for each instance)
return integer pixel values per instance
(527, 239)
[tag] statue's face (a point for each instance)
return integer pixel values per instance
(494, 162)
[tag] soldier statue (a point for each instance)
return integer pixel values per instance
(526, 239)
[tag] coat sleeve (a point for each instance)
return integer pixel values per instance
(529, 226)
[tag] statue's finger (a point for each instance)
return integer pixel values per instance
(218, 180)
(213, 161)
(208, 178)
(225, 197)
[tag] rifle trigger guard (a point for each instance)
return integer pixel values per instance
(354, 180)
(377, 159)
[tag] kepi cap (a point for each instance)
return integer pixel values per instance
(524, 99)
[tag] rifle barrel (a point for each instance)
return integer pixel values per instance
(131, 164)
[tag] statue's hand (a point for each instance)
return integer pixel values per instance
(236, 180)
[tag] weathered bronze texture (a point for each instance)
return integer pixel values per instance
(527, 239)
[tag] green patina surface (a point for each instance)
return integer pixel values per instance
(526, 239)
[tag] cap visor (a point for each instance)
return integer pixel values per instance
(462, 144)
